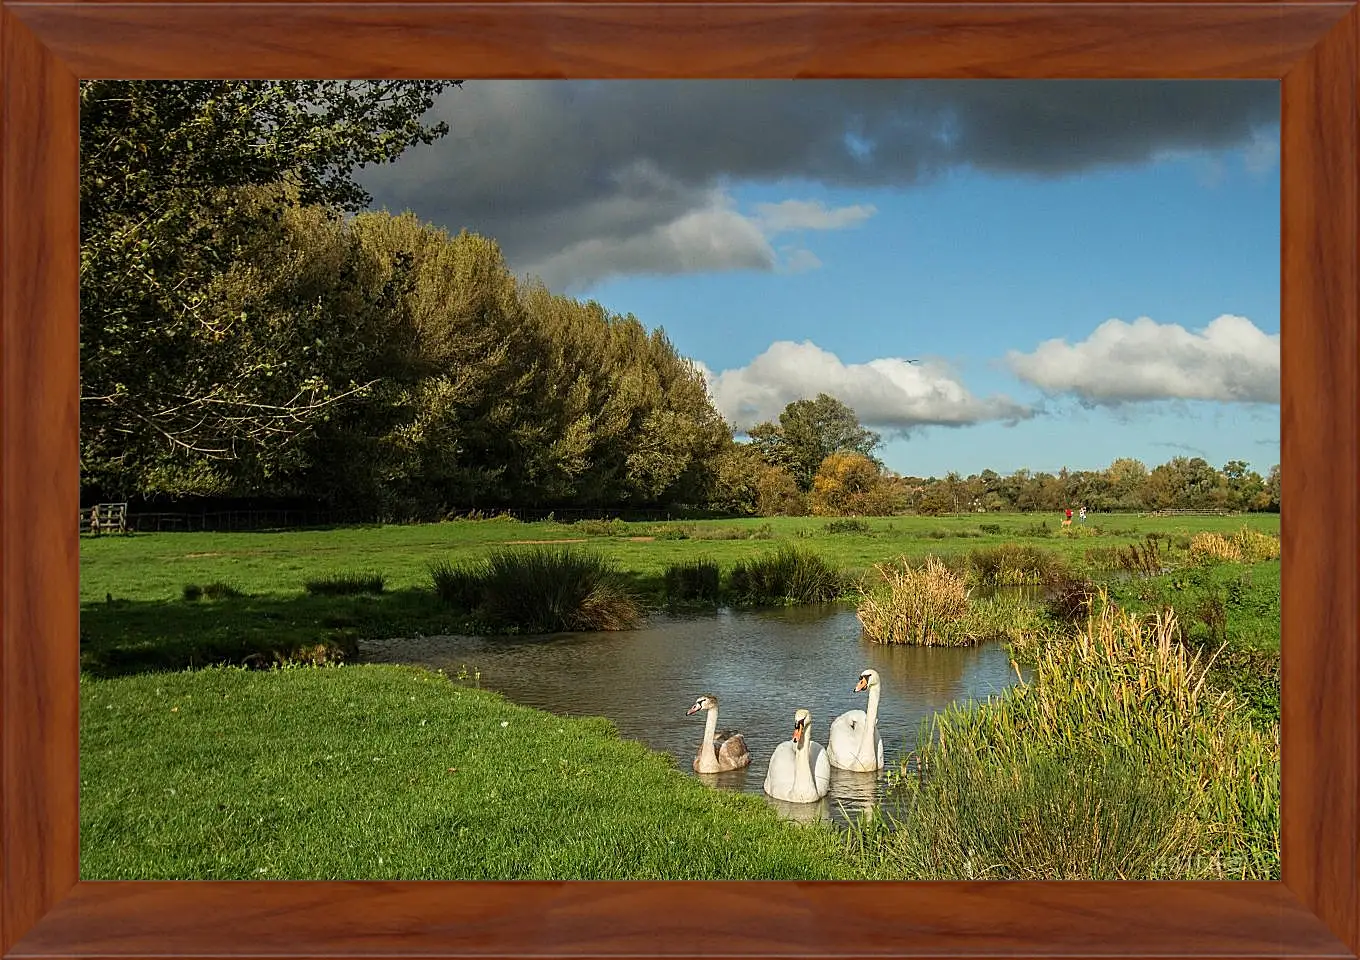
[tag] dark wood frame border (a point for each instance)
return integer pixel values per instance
(1313, 48)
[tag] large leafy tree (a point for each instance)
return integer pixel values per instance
(808, 432)
(166, 168)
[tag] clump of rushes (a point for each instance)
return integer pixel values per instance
(694, 581)
(459, 585)
(1118, 692)
(211, 591)
(1254, 546)
(549, 591)
(1015, 564)
(926, 605)
(1054, 816)
(788, 575)
(1208, 548)
(343, 584)
(847, 525)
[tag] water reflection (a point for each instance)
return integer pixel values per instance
(762, 665)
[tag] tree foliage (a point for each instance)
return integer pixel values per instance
(849, 483)
(170, 176)
(807, 433)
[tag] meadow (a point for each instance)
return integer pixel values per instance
(195, 766)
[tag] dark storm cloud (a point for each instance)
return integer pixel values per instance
(580, 180)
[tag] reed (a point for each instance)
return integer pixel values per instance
(694, 581)
(1015, 564)
(1055, 816)
(788, 575)
(927, 605)
(345, 584)
(459, 585)
(1255, 547)
(1207, 548)
(549, 591)
(1121, 687)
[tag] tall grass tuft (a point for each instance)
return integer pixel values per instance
(1055, 816)
(211, 591)
(1254, 546)
(1015, 564)
(343, 584)
(602, 528)
(926, 605)
(788, 575)
(1121, 690)
(548, 591)
(847, 525)
(1208, 548)
(1144, 559)
(694, 581)
(459, 585)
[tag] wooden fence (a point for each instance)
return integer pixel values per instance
(104, 518)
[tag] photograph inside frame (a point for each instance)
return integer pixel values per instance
(496, 480)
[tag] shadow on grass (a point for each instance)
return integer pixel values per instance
(138, 636)
(120, 637)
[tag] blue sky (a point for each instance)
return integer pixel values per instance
(967, 259)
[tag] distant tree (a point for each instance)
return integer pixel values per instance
(1273, 489)
(778, 494)
(808, 432)
(850, 484)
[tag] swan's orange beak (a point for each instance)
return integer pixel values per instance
(862, 685)
(797, 732)
(693, 709)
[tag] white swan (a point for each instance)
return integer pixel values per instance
(718, 750)
(854, 743)
(799, 771)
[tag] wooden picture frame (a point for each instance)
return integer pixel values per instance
(1312, 48)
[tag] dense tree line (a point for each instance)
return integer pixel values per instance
(763, 476)
(248, 332)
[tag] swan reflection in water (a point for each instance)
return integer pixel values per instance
(854, 795)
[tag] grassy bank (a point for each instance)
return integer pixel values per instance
(369, 772)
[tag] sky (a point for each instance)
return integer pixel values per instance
(993, 274)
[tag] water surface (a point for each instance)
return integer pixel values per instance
(762, 665)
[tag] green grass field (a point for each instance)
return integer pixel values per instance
(156, 566)
(379, 772)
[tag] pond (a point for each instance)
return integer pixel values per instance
(762, 665)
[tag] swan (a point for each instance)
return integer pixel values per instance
(719, 750)
(854, 743)
(799, 771)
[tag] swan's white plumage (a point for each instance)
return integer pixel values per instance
(846, 746)
(799, 776)
(853, 742)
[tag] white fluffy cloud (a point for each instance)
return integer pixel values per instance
(889, 393)
(1230, 360)
(713, 237)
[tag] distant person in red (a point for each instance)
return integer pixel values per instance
(1069, 514)
(1067, 518)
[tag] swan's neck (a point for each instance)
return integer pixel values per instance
(710, 728)
(803, 755)
(870, 716)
